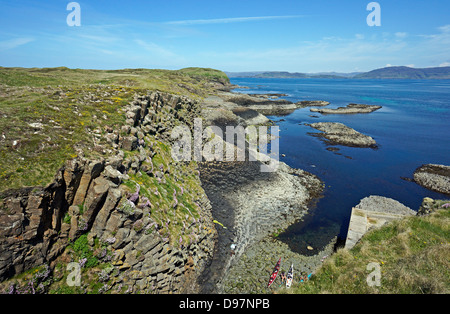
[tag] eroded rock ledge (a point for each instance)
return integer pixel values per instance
(434, 177)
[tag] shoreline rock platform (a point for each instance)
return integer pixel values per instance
(251, 273)
(266, 104)
(251, 205)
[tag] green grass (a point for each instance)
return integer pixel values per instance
(81, 249)
(205, 72)
(67, 105)
(41, 129)
(49, 115)
(413, 253)
(179, 178)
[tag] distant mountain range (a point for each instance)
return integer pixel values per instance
(398, 72)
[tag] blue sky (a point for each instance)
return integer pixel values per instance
(231, 35)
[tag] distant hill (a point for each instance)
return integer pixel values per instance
(398, 72)
(278, 74)
(407, 73)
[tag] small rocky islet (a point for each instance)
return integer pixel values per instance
(434, 177)
(349, 109)
(339, 134)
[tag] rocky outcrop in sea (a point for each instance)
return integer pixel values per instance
(434, 177)
(349, 109)
(340, 134)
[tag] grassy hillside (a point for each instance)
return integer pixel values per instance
(413, 254)
(46, 113)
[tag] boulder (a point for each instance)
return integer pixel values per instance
(130, 143)
(113, 175)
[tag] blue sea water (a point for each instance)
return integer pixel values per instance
(412, 128)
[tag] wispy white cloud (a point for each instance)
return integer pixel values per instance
(232, 20)
(445, 28)
(155, 49)
(14, 43)
(342, 54)
(401, 35)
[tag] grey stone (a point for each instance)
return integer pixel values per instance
(146, 243)
(434, 177)
(113, 175)
(350, 109)
(130, 143)
(338, 133)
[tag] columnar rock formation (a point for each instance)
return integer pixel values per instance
(88, 196)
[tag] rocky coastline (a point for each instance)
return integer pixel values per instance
(264, 104)
(251, 206)
(236, 203)
(168, 227)
(251, 198)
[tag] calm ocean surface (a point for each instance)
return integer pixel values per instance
(412, 128)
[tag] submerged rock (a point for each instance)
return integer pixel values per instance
(338, 133)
